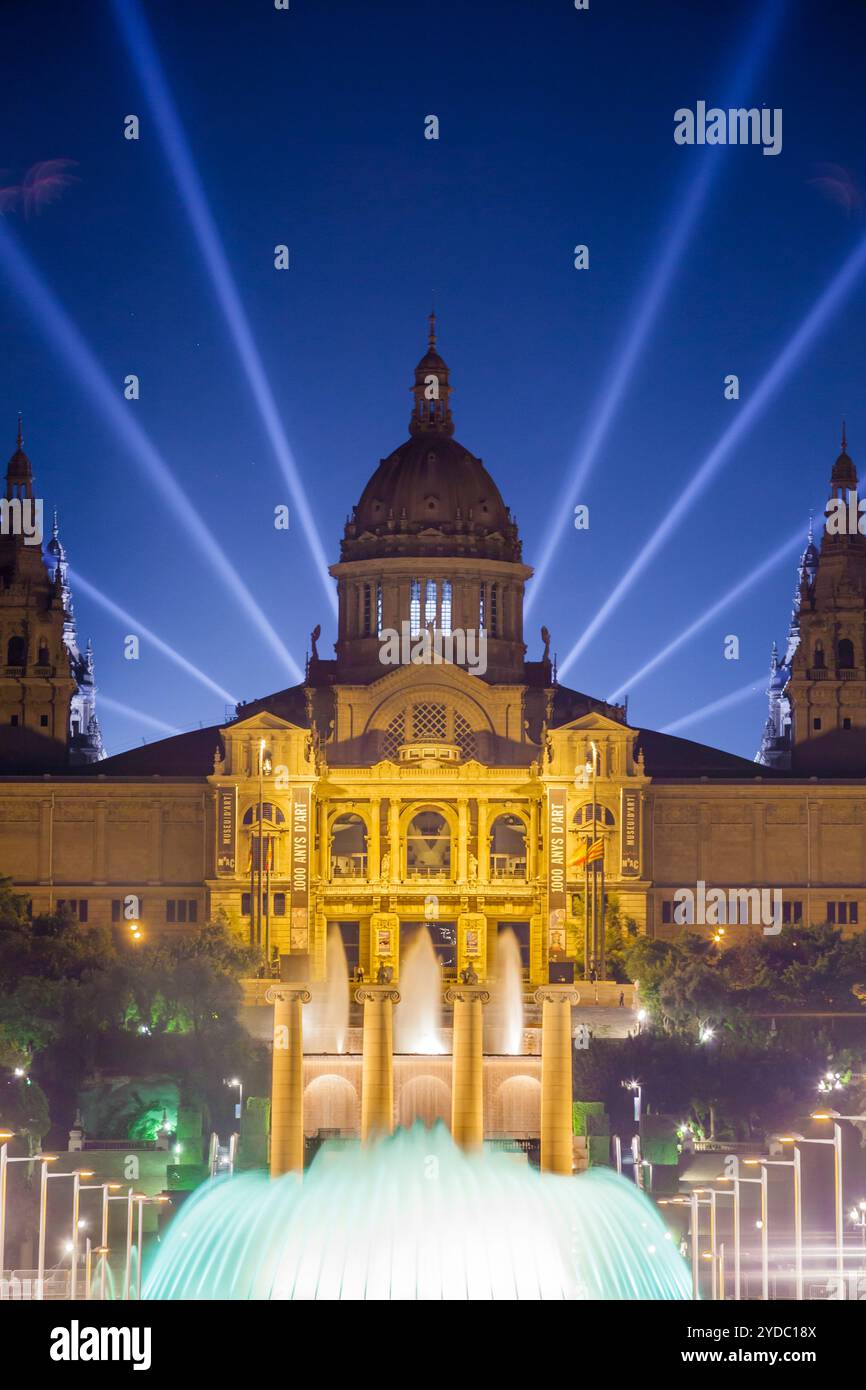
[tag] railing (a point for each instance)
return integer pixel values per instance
(506, 866)
(349, 866)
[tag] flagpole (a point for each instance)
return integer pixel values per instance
(268, 909)
(586, 910)
(602, 929)
(260, 863)
(594, 870)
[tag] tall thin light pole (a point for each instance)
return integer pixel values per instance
(4, 1166)
(259, 866)
(43, 1214)
(76, 1208)
(696, 1254)
(738, 1223)
(128, 1266)
(594, 869)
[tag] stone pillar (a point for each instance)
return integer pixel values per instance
(373, 842)
(532, 843)
(462, 839)
(287, 1084)
(377, 1064)
(467, 1066)
(324, 842)
(396, 872)
(556, 1113)
(483, 841)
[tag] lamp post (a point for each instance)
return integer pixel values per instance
(235, 1081)
(142, 1203)
(839, 1202)
(5, 1160)
(798, 1213)
(102, 1248)
(738, 1221)
(836, 1145)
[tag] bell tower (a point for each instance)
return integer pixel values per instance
(46, 686)
(827, 688)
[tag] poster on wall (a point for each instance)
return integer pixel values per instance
(556, 859)
(300, 868)
(227, 821)
(630, 843)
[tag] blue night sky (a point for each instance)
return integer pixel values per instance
(306, 127)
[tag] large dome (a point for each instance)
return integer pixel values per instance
(431, 495)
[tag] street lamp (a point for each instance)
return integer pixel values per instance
(5, 1160)
(839, 1189)
(798, 1211)
(235, 1081)
(142, 1202)
(102, 1248)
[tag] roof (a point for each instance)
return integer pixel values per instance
(665, 755)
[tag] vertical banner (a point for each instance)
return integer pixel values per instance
(630, 835)
(300, 869)
(556, 870)
(226, 829)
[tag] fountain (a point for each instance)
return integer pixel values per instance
(413, 1217)
(504, 1020)
(418, 1016)
(326, 1023)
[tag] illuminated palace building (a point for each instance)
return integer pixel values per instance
(397, 787)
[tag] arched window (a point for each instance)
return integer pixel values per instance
(583, 815)
(508, 847)
(349, 847)
(43, 658)
(16, 652)
(819, 656)
(269, 812)
(428, 846)
(845, 654)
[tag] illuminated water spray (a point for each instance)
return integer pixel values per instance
(414, 1217)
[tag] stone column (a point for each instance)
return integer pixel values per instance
(373, 842)
(287, 1084)
(324, 842)
(483, 841)
(377, 1063)
(556, 1114)
(394, 839)
(467, 1066)
(462, 839)
(532, 843)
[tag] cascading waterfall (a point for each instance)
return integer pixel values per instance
(414, 1217)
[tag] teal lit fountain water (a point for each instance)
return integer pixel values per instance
(413, 1217)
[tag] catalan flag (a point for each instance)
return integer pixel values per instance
(589, 854)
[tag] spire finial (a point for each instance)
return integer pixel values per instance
(20, 431)
(431, 319)
(55, 525)
(811, 526)
(844, 439)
